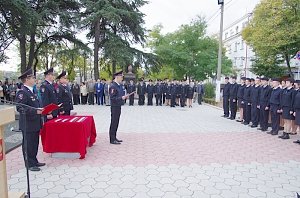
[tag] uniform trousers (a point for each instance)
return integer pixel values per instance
(131, 100)
(247, 113)
(158, 99)
(226, 105)
(141, 100)
(150, 99)
(173, 100)
(233, 108)
(114, 124)
(254, 114)
(275, 117)
(32, 147)
(264, 117)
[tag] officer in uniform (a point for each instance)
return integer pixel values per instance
(131, 88)
(173, 94)
(117, 98)
(274, 105)
(48, 93)
(64, 95)
(141, 91)
(240, 95)
(254, 103)
(296, 108)
(183, 93)
(226, 92)
(233, 98)
(247, 102)
(158, 93)
(264, 97)
(31, 122)
(150, 92)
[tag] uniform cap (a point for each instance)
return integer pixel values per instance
(243, 78)
(276, 79)
(120, 73)
(264, 78)
(249, 79)
(297, 81)
(226, 78)
(63, 73)
(290, 80)
(49, 71)
(26, 74)
(233, 77)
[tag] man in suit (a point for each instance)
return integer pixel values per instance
(141, 91)
(48, 93)
(255, 89)
(226, 92)
(274, 105)
(233, 98)
(106, 92)
(76, 93)
(131, 88)
(99, 87)
(158, 93)
(150, 92)
(30, 121)
(247, 102)
(200, 92)
(64, 95)
(117, 98)
(264, 97)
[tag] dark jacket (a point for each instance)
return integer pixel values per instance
(116, 93)
(141, 89)
(48, 95)
(255, 95)
(33, 120)
(64, 97)
(226, 90)
(275, 97)
(264, 95)
(233, 91)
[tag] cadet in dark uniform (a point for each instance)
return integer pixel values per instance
(164, 85)
(190, 94)
(274, 104)
(264, 97)
(31, 122)
(233, 98)
(168, 94)
(247, 102)
(117, 98)
(296, 108)
(150, 92)
(141, 91)
(226, 92)
(183, 93)
(158, 93)
(255, 103)
(131, 88)
(64, 95)
(240, 95)
(178, 89)
(48, 92)
(286, 103)
(173, 94)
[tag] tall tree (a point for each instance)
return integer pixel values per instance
(35, 23)
(188, 51)
(115, 25)
(274, 30)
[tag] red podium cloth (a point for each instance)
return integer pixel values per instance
(69, 134)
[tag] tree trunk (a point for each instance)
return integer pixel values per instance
(84, 68)
(114, 65)
(23, 53)
(287, 59)
(31, 50)
(96, 50)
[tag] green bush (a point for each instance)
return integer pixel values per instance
(209, 90)
(210, 101)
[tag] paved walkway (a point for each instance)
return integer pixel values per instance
(168, 152)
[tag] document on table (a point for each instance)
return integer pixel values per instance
(81, 119)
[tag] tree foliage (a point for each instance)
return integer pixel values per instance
(274, 32)
(188, 51)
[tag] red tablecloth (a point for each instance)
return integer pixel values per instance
(69, 134)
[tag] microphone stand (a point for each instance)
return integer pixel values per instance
(25, 149)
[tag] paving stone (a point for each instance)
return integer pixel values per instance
(46, 185)
(154, 184)
(57, 189)
(140, 189)
(155, 192)
(88, 182)
(256, 193)
(127, 185)
(127, 193)
(228, 194)
(171, 194)
(41, 193)
(85, 189)
(68, 193)
(222, 186)
(198, 194)
(113, 189)
(73, 185)
(211, 190)
(282, 192)
(182, 191)
(166, 181)
(168, 188)
(141, 195)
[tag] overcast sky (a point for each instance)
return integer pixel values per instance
(173, 13)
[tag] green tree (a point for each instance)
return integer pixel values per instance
(268, 67)
(274, 31)
(188, 51)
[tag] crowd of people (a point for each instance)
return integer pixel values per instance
(264, 103)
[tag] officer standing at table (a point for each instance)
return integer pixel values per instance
(48, 92)
(64, 95)
(117, 98)
(31, 123)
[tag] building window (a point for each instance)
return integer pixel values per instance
(242, 45)
(226, 35)
(237, 29)
(242, 62)
(229, 49)
(236, 46)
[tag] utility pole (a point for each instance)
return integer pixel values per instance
(218, 88)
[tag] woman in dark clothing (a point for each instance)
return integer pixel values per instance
(168, 94)
(190, 94)
(287, 96)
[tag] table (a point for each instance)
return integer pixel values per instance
(69, 134)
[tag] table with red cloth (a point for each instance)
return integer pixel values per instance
(69, 134)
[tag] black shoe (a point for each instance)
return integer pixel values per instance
(245, 123)
(34, 168)
(270, 132)
(239, 120)
(119, 140)
(232, 118)
(40, 164)
(297, 142)
(253, 126)
(274, 133)
(286, 137)
(115, 142)
(264, 130)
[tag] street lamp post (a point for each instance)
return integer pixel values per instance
(218, 81)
